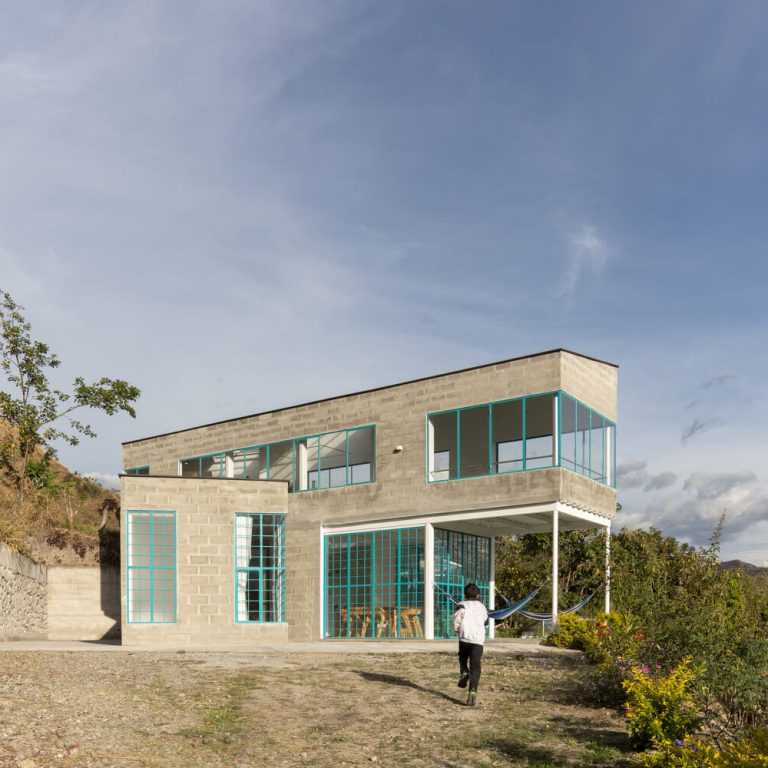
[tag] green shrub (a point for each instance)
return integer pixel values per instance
(660, 708)
(574, 632)
(751, 752)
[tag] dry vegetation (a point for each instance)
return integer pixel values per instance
(142, 710)
(56, 528)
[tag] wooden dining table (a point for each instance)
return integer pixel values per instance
(388, 621)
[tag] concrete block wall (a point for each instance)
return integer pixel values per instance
(399, 413)
(205, 558)
(400, 491)
(83, 603)
(22, 596)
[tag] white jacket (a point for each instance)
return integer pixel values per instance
(469, 622)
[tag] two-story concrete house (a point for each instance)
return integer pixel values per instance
(351, 517)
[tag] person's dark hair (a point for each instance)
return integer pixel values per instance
(471, 592)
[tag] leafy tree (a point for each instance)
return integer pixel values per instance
(34, 409)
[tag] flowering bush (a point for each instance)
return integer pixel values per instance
(660, 708)
(751, 752)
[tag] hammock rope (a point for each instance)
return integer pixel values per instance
(498, 614)
(548, 616)
(509, 609)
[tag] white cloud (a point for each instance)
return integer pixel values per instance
(108, 481)
(693, 513)
(632, 474)
(587, 254)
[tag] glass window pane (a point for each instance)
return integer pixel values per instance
(443, 446)
(611, 447)
(210, 466)
(507, 433)
(567, 431)
(360, 473)
(582, 439)
(333, 458)
(474, 441)
(281, 461)
(539, 432)
(597, 463)
(190, 468)
(255, 464)
(361, 454)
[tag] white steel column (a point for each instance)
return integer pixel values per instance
(556, 430)
(429, 581)
(608, 568)
(492, 589)
(555, 564)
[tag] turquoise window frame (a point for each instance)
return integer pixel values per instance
(148, 571)
(392, 603)
(220, 458)
(472, 565)
(607, 475)
(143, 470)
(266, 552)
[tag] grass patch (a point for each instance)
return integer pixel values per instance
(223, 723)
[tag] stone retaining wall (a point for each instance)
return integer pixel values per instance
(23, 596)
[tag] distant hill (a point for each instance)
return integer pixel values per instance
(740, 565)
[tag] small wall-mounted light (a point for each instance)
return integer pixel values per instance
(398, 449)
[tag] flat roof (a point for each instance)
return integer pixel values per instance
(368, 391)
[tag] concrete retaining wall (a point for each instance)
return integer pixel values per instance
(83, 603)
(23, 587)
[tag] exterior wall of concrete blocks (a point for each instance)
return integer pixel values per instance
(205, 508)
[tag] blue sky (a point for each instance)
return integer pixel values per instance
(244, 205)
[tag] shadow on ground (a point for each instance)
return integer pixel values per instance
(403, 682)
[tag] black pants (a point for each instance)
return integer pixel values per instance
(471, 658)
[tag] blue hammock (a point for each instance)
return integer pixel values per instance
(500, 613)
(548, 616)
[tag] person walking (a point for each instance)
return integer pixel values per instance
(469, 623)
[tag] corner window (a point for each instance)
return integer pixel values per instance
(260, 568)
(532, 432)
(137, 470)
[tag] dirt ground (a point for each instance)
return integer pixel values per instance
(147, 709)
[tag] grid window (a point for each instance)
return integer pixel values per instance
(329, 460)
(260, 568)
(460, 559)
(151, 569)
(532, 432)
(374, 584)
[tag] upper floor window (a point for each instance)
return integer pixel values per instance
(532, 432)
(138, 470)
(328, 460)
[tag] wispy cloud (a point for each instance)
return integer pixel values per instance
(718, 381)
(698, 427)
(586, 255)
